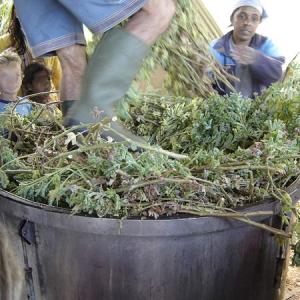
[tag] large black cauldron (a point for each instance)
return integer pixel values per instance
(81, 258)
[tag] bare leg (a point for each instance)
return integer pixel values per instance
(148, 24)
(152, 20)
(116, 61)
(73, 63)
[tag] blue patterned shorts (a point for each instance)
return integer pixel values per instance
(50, 25)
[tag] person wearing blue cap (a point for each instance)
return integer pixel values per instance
(252, 58)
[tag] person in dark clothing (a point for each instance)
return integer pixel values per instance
(252, 58)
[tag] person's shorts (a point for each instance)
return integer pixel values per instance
(50, 25)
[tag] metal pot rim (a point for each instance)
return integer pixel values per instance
(46, 215)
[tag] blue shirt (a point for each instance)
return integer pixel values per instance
(266, 70)
(23, 108)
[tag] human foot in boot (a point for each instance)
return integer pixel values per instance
(111, 69)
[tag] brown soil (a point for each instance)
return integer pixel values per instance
(293, 284)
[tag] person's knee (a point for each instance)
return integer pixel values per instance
(73, 60)
(162, 12)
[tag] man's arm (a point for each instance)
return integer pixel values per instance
(266, 69)
(265, 64)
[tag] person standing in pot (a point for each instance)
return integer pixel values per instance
(55, 27)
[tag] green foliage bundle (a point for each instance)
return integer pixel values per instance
(253, 144)
(233, 152)
(5, 8)
(183, 124)
(187, 43)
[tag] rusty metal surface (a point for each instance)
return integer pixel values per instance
(72, 257)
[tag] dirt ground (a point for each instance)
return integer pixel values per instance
(293, 284)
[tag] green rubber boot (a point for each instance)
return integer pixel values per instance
(110, 72)
(65, 107)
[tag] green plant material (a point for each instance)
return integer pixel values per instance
(230, 152)
(236, 152)
(183, 124)
(183, 52)
(5, 8)
(249, 146)
(227, 123)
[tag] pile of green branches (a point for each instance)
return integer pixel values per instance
(253, 144)
(186, 124)
(231, 152)
(5, 8)
(219, 153)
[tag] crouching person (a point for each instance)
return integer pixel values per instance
(252, 58)
(10, 83)
(37, 81)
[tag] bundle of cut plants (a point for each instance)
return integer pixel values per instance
(228, 123)
(220, 154)
(250, 145)
(183, 52)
